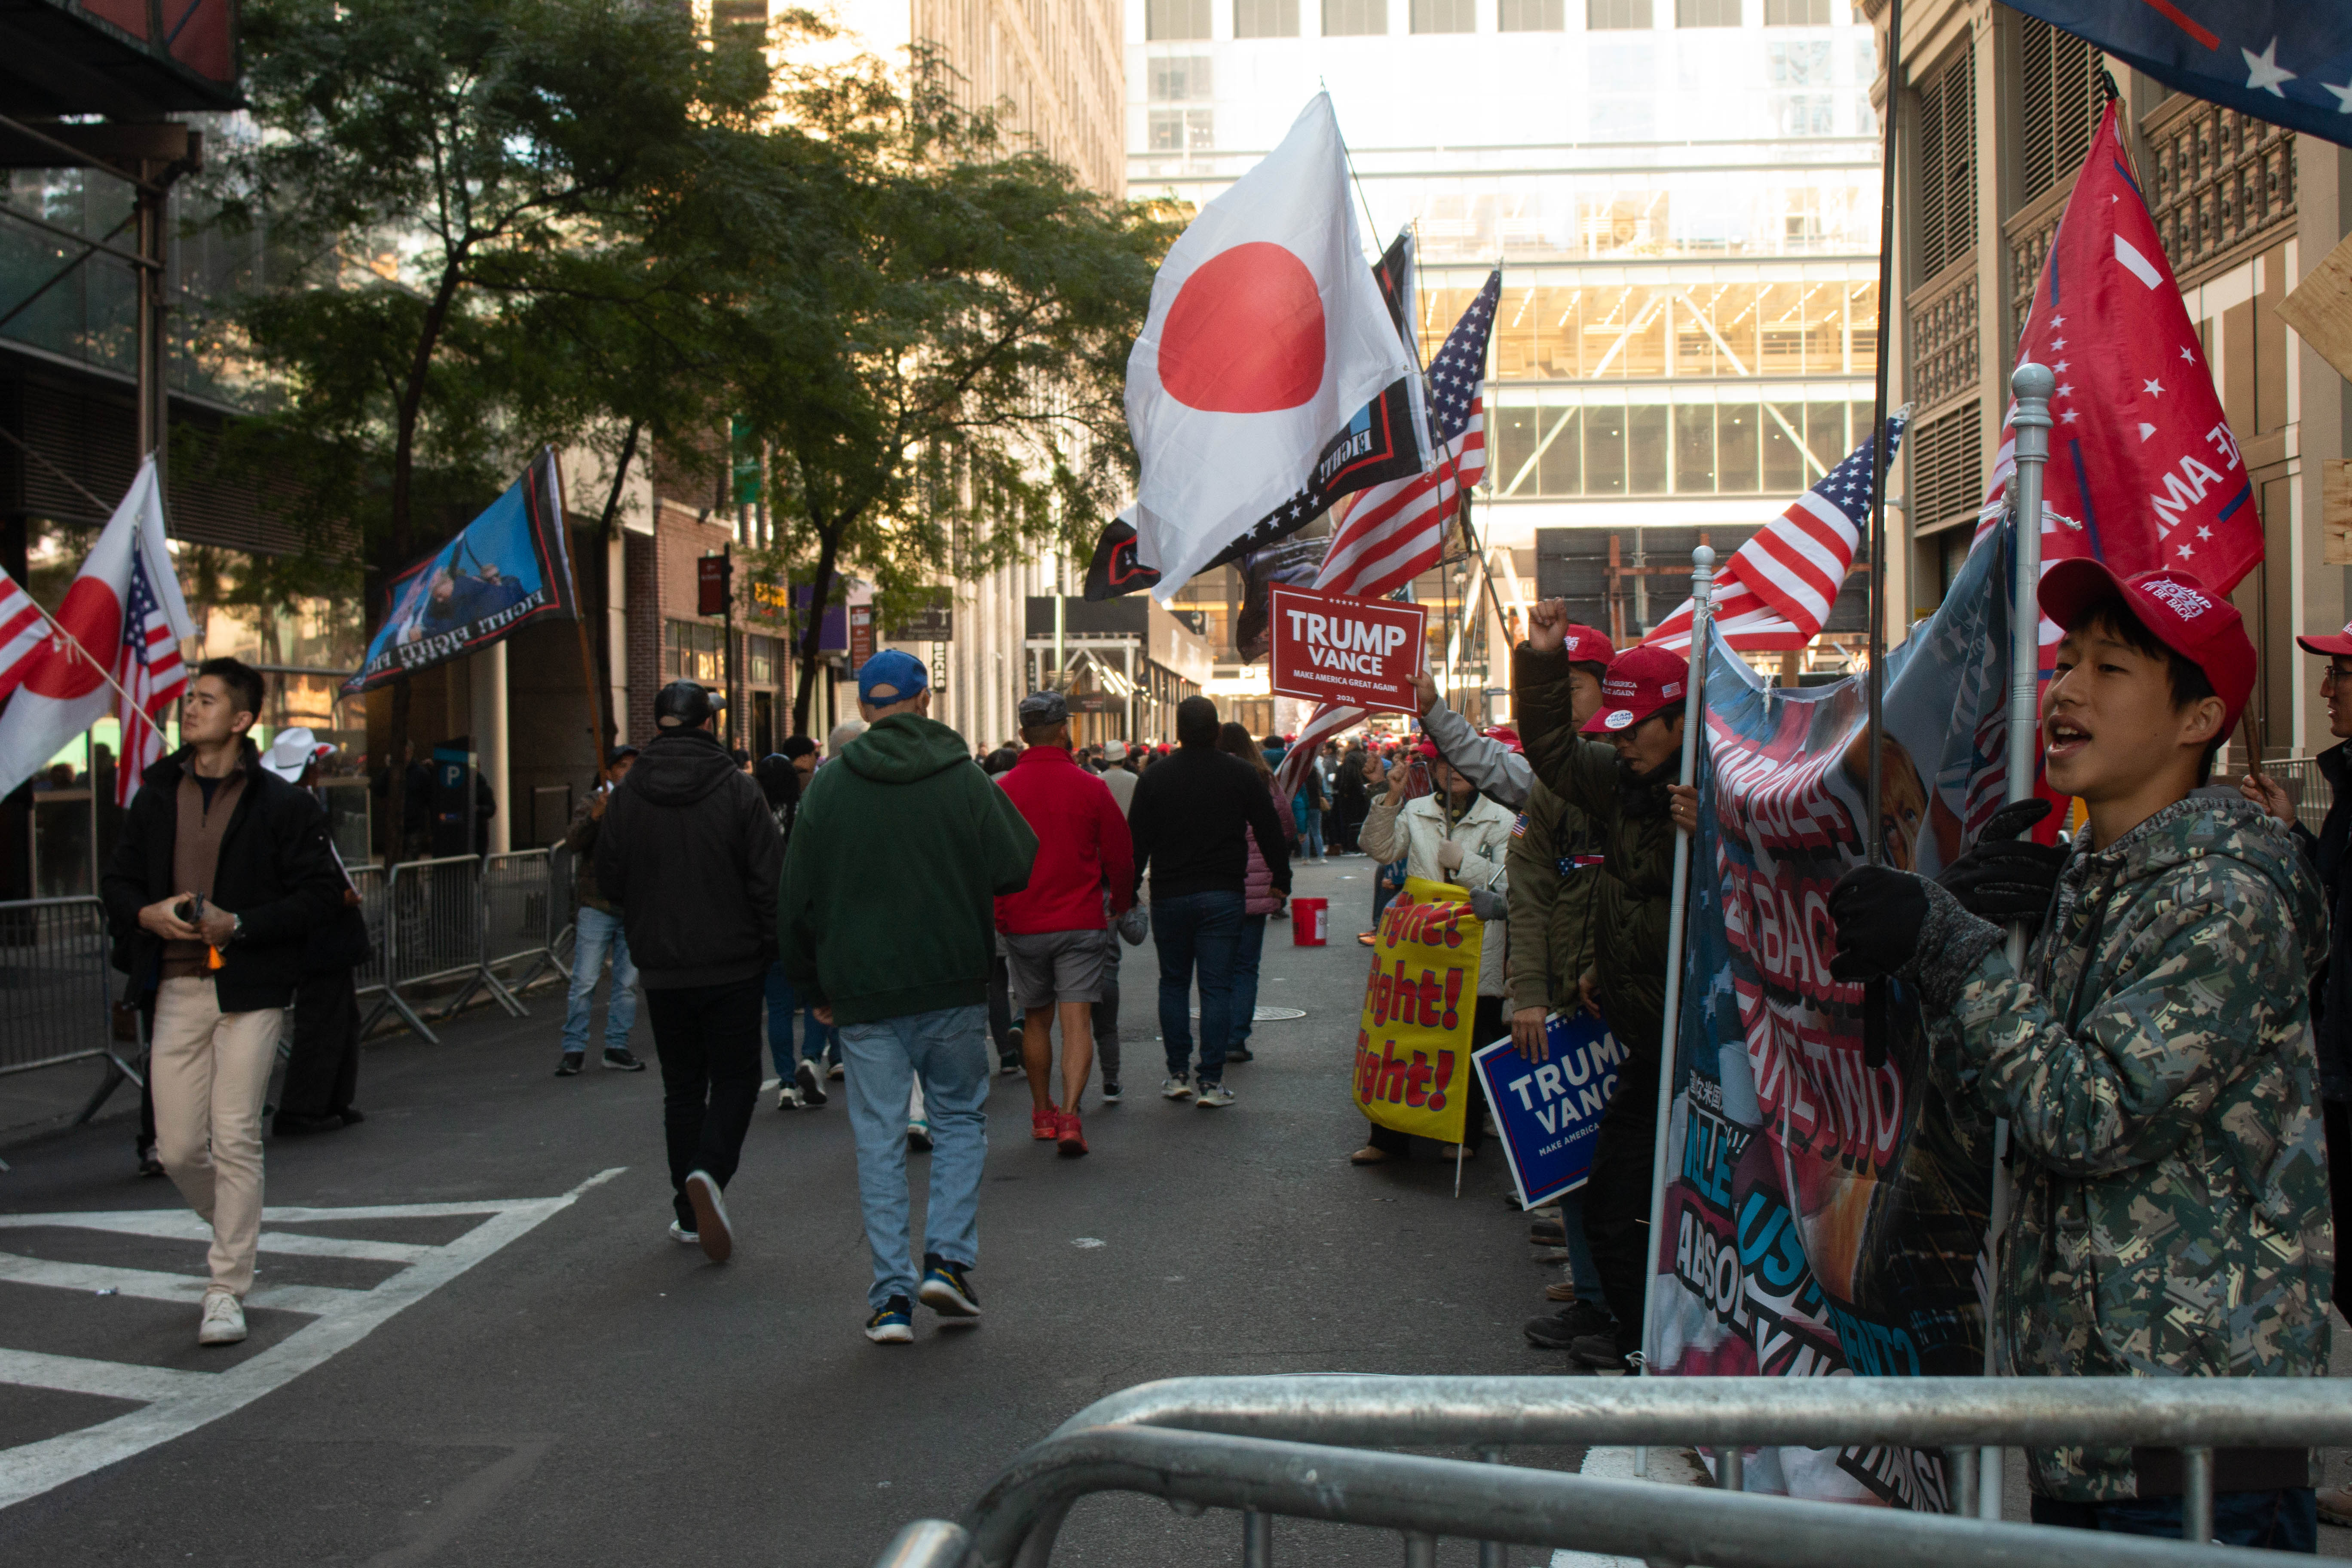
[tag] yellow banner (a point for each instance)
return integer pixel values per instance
(1412, 1052)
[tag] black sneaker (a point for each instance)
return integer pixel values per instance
(1111, 1092)
(290, 1124)
(1563, 1330)
(809, 1078)
(1240, 1054)
(1602, 1353)
(572, 1063)
(353, 1115)
(621, 1060)
(148, 1164)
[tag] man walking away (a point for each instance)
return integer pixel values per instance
(2153, 1056)
(1054, 928)
(1260, 903)
(1118, 777)
(1118, 774)
(1190, 812)
(800, 1071)
(322, 1071)
(596, 931)
(690, 853)
(886, 922)
(220, 875)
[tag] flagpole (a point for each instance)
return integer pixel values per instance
(1693, 721)
(1874, 993)
(81, 648)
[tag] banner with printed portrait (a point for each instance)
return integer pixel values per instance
(1420, 1005)
(505, 569)
(1826, 1209)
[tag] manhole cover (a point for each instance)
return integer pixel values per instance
(1269, 1015)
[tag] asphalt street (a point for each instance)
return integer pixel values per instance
(590, 1393)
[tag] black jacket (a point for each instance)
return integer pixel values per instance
(2331, 988)
(275, 870)
(690, 853)
(1190, 811)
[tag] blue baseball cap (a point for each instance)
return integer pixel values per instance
(903, 673)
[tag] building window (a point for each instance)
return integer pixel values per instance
(1611, 16)
(1706, 13)
(2060, 97)
(1946, 181)
(1176, 79)
(1175, 19)
(690, 652)
(1532, 16)
(760, 655)
(1180, 130)
(1947, 466)
(1265, 18)
(1444, 17)
(1796, 13)
(729, 14)
(1354, 19)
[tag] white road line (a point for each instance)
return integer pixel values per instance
(112, 1379)
(181, 1224)
(348, 1317)
(316, 1300)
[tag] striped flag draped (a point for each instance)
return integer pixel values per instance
(1775, 593)
(1389, 534)
(149, 671)
(23, 632)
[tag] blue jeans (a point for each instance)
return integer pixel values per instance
(1382, 894)
(814, 1036)
(1248, 949)
(1196, 929)
(947, 1051)
(1313, 829)
(596, 933)
(2286, 1520)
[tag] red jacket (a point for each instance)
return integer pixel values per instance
(1083, 846)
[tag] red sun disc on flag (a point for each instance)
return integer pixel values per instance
(94, 615)
(1245, 334)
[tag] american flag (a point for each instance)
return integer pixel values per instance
(1389, 534)
(148, 670)
(1775, 593)
(23, 631)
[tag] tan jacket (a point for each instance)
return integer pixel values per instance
(1413, 832)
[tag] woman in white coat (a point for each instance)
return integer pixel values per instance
(1451, 835)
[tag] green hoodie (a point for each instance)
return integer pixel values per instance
(2155, 1061)
(902, 845)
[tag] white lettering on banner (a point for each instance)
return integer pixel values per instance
(2183, 491)
(2224, 443)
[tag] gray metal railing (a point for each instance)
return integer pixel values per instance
(2306, 786)
(518, 920)
(55, 984)
(1298, 1447)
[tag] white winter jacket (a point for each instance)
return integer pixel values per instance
(1415, 830)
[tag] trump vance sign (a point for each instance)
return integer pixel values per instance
(1330, 648)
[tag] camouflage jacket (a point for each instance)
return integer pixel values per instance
(2171, 1213)
(1555, 865)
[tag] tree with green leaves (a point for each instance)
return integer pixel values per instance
(429, 175)
(936, 330)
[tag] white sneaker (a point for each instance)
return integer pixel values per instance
(682, 1236)
(787, 1097)
(1214, 1096)
(1178, 1087)
(809, 1081)
(224, 1320)
(710, 1227)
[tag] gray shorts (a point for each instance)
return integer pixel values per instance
(1050, 966)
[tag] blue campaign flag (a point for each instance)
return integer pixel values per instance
(2287, 61)
(1548, 1112)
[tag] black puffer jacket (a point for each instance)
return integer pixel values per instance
(1631, 913)
(690, 852)
(275, 871)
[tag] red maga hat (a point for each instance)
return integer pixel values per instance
(2179, 610)
(1586, 645)
(2327, 647)
(1639, 682)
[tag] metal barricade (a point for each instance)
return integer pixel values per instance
(436, 932)
(55, 983)
(519, 922)
(373, 978)
(1299, 1448)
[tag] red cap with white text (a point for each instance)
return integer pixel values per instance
(1585, 644)
(1639, 682)
(2328, 646)
(2182, 613)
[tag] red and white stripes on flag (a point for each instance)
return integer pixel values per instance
(1776, 592)
(23, 632)
(149, 673)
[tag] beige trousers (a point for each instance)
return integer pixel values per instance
(209, 1071)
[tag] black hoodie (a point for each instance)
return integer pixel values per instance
(690, 853)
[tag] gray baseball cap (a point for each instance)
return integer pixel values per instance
(1042, 708)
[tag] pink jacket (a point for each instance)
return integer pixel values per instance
(1257, 887)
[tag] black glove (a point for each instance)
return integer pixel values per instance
(1879, 911)
(2005, 876)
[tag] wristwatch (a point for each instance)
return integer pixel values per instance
(237, 927)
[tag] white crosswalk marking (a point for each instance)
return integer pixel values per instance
(174, 1402)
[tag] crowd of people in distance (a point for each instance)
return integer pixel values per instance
(2171, 1058)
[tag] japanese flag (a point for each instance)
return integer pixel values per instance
(1268, 333)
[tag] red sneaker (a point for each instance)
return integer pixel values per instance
(1073, 1137)
(1046, 1125)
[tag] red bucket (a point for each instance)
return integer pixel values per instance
(1311, 921)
